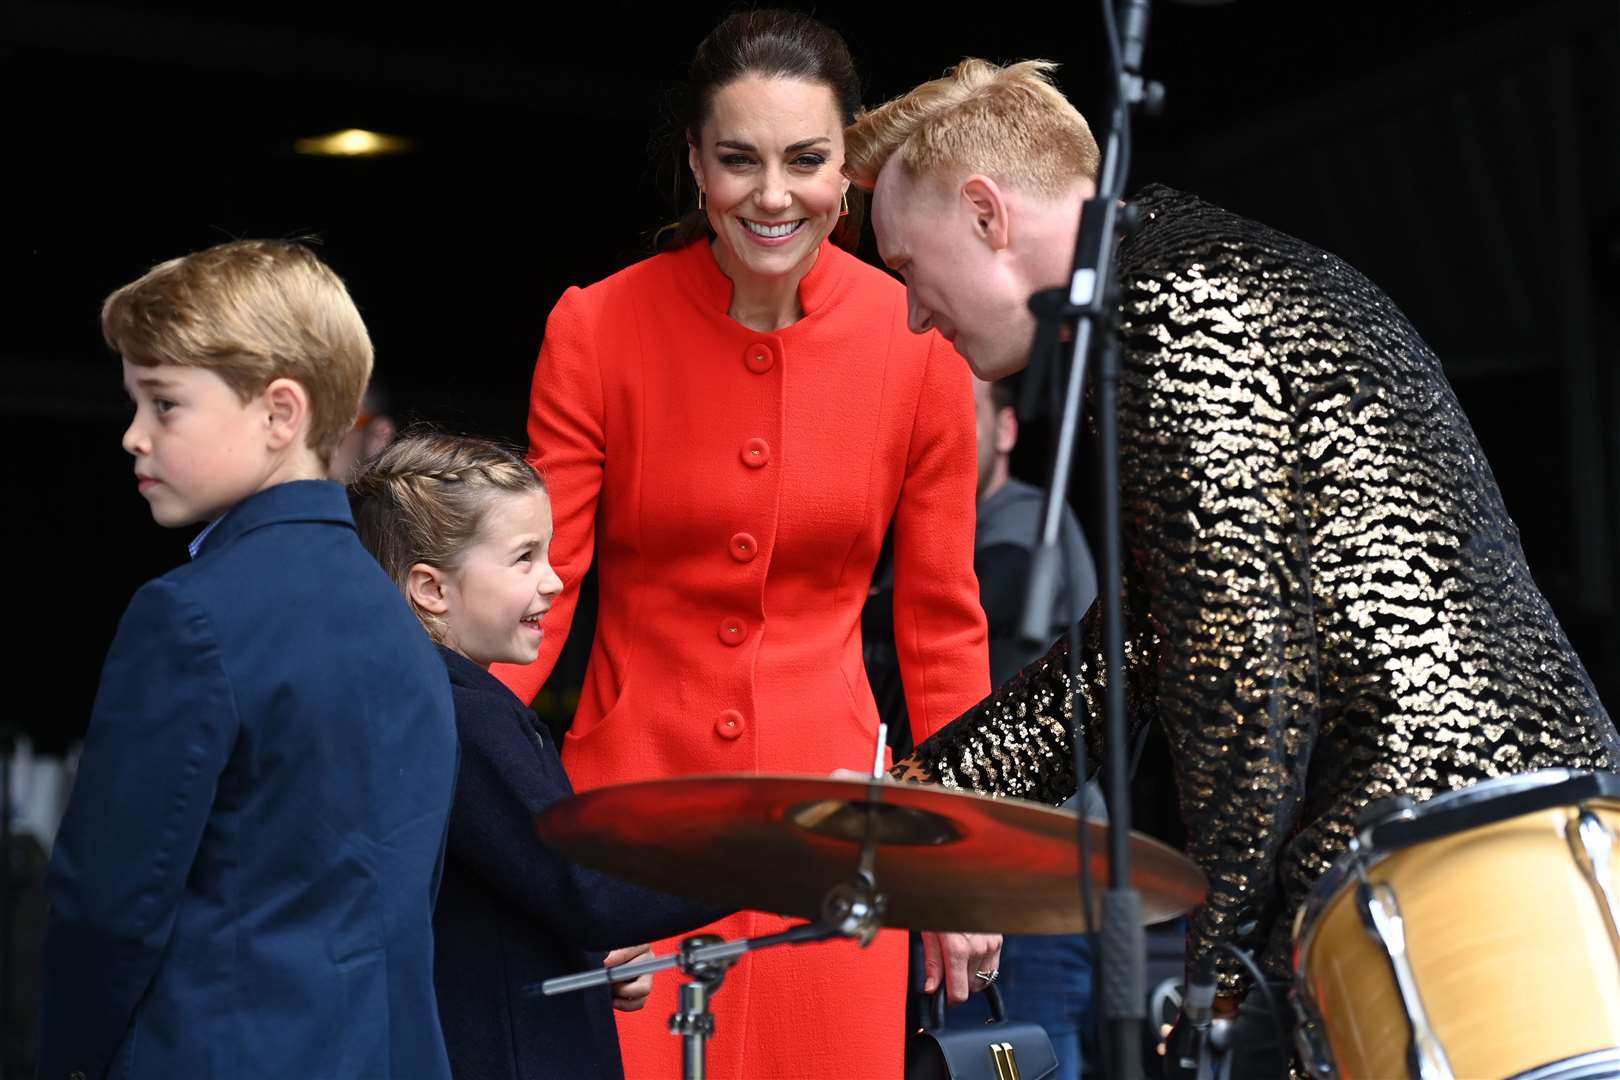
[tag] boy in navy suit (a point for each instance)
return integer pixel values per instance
(243, 884)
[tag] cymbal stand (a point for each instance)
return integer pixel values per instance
(853, 909)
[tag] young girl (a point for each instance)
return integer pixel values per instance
(463, 527)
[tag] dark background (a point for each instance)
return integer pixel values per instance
(1464, 155)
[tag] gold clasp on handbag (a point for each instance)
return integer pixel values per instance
(1005, 1061)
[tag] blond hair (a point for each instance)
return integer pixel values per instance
(424, 500)
(252, 311)
(1009, 123)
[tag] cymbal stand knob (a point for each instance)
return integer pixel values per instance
(855, 908)
(694, 1023)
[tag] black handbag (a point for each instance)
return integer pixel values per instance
(996, 1050)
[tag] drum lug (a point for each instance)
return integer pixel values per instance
(1593, 845)
(1312, 1048)
(1382, 916)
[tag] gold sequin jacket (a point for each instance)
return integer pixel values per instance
(1326, 601)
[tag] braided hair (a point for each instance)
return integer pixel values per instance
(424, 499)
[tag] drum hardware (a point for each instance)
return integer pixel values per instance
(925, 858)
(705, 958)
(1216, 1061)
(694, 1023)
(1205, 1050)
(852, 908)
(1381, 913)
(946, 860)
(1497, 901)
(1203, 1053)
(1598, 1065)
(1593, 846)
(1310, 1044)
(1198, 1050)
(928, 858)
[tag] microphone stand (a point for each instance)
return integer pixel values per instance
(1090, 307)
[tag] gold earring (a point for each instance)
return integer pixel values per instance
(843, 207)
(700, 198)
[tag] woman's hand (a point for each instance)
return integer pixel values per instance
(958, 960)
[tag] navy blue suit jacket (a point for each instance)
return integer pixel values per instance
(243, 884)
(513, 912)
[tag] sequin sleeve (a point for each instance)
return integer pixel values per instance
(1017, 743)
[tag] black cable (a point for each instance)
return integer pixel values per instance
(1141, 745)
(1285, 1042)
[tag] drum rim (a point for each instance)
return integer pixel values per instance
(1494, 788)
(1487, 802)
(1589, 1066)
(1327, 888)
(1307, 921)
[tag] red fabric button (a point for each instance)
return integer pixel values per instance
(733, 631)
(755, 453)
(743, 547)
(759, 357)
(730, 725)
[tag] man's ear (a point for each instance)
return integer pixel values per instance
(1006, 429)
(988, 204)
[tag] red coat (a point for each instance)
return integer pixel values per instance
(735, 488)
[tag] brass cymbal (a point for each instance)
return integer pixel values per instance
(946, 860)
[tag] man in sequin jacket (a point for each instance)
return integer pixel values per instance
(1326, 602)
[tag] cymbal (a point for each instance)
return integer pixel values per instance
(946, 860)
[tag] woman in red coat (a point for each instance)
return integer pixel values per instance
(729, 428)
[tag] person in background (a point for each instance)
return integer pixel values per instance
(373, 430)
(1009, 520)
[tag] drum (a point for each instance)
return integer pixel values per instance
(1475, 935)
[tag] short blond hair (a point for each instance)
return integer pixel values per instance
(1009, 123)
(252, 311)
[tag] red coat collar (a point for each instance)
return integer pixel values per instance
(702, 273)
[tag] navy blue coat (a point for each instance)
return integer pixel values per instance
(513, 912)
(243, 883)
